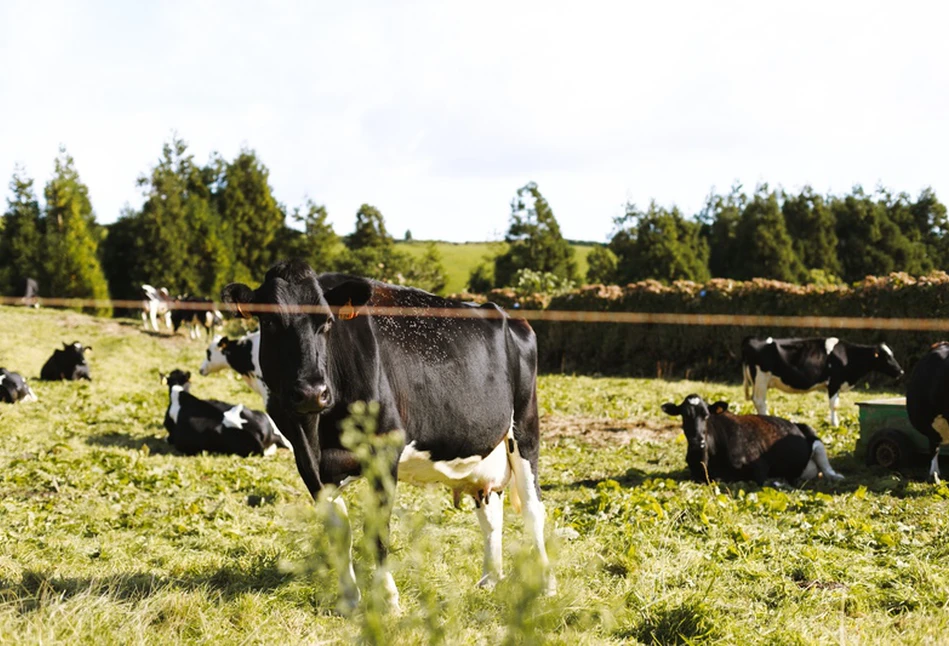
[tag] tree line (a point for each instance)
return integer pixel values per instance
(199, 228)
(203, 226)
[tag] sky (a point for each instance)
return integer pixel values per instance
(437, 112)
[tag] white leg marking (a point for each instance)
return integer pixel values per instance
(810, 471)
(833, 410)
(760, 393)
(934, 469)
(819, 459)
(348, 590)
(534, 513)
(490, 512)
(392, 592)
(153, 316)
(167, 321)
(270, 450)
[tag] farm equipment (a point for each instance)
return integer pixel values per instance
(887, 438)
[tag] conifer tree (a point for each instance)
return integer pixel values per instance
(660, 244)
(21, 237)
(763, 241)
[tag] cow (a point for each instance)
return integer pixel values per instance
(13, 388)
(195, 425)
(242, 355)
(199, 312)
(733, 448)
(156, 303)
(460, 391)
(68, 363)
(802, 365)
(29, 289)
(927, 401)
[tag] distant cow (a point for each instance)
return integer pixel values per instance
(242, 355)
(68, 363)
(155, 303)
(927, 401)
(461, 390)
(13, 388)
(195, 425)
(802, 365)
(29, 292)
(730, 448)
(200, 313)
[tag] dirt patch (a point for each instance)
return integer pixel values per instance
(606, 432)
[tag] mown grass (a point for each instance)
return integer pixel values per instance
(461, 258)
(108, 536)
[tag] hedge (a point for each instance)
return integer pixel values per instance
(713, 352)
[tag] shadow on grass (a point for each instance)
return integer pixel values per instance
(632, 478)
(126, 441)
(36, 589)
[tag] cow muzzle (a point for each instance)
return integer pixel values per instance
(312, 399)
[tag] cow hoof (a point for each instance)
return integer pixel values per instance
(488, 582)
(551, 588)
(834, 477)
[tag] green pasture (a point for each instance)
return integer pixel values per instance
(107, 536)
(460, 258)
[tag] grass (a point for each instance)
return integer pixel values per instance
(108, 536)
(460, 258)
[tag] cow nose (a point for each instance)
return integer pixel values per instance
(313, 399)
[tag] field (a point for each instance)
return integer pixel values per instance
(108, 536)
(460, 258)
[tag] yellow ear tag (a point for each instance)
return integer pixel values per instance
(347, 312)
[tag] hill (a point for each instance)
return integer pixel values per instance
(460, 258)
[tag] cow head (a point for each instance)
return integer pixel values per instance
(296, 320)
(885, 362)
(75, 352)
(214, 357)
(177, 378)
(695, 413)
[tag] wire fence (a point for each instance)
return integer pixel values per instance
(564, 316)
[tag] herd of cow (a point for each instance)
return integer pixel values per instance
(460, 389)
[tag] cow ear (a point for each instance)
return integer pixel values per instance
(163, 378)
(223, 342)
(671, 409)
(355, 292)
(187, 375)
(719, 407)
(237, 294)
(88, 348)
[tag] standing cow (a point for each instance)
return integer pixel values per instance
(461, 389)
(731, 448)
(927, 401)
(802, 365)
(156, 303)
(197, 313)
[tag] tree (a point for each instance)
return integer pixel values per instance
(429, 272)
(371, 250)
(370, 230)
(601, 266)
(720, 219)
(762, 239)
(811, 225)
(70, 249)
(21, 236)
(658, 243)
(408, 235)
(534, 240)
(318, 244)
(249, 212)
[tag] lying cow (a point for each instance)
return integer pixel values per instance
(68, 363)
(198, 313)
(727, 447)
(802, 365)
(927, 401)
(242, 355)
(156, 303)
(13, 388)
(461, 389)
(195, 425)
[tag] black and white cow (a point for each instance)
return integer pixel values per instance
(732, 448)
(68, 363)
(156, 303)
(195, 425)
(461, 390)
(13, 388)
(29, 292)
(196, 314)
(242, 355)
(802, 365)
(927, 401)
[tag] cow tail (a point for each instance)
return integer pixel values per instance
(516, 503)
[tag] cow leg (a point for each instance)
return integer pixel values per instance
(834, 401)
(144, 319)
(490, 512)
(339, 520)
(153, 316)
(760, 393)
(821, 463)
(167, 321)
(525, 486)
